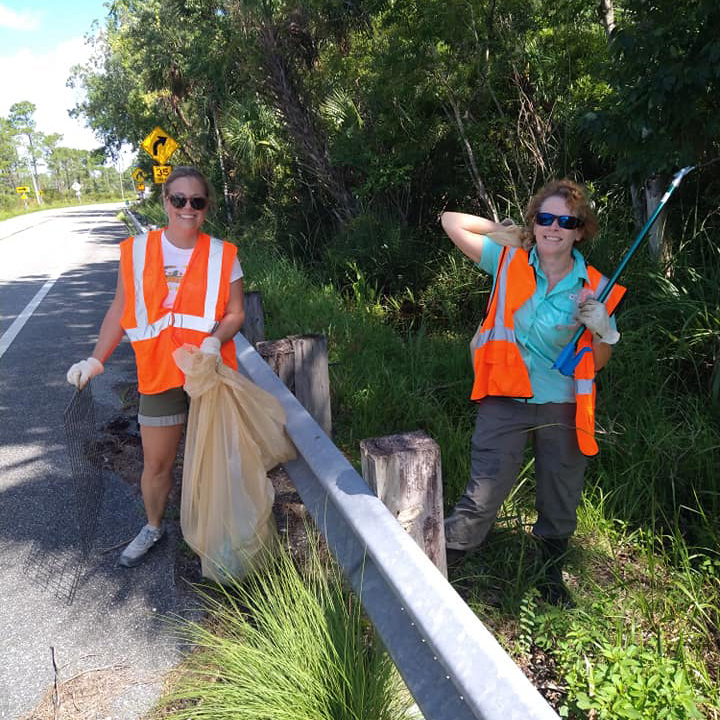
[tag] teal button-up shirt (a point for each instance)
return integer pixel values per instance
(545, 324)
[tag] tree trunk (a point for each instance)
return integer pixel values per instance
(301, 362)
(638, 205)
(254, 326)
(472, 165)
(223, 172)
(654, 190)
(309, 142)
(404, 472)
(32, 166)
(607, 15)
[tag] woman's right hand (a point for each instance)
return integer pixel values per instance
(81, 372)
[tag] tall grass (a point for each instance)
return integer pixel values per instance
(287, 644)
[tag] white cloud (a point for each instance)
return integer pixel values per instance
(41, 79)
(14, 20)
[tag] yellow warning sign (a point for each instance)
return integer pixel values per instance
(22, 189)
(159, 146)
(161, 173)
(138, 174)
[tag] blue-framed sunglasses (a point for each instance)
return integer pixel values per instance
(567, 222)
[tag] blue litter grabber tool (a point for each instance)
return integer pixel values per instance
(568, 360)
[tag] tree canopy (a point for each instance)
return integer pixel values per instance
(345, 119)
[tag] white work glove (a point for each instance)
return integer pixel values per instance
(210, 346)
(594, 316)
(81, 372)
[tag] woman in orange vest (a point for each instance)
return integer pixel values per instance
(175, 286)
(542, 289)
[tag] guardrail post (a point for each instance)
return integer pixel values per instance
(301, 362)
(254, 327)
(404, 471)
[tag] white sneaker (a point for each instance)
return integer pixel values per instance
(145, 541)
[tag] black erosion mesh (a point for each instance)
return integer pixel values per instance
(85, 463)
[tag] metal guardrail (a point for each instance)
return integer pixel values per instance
(452, 665)
(138, 225)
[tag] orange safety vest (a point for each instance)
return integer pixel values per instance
(498, 364)
(155, 331)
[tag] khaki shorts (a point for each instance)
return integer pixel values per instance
(163, 409)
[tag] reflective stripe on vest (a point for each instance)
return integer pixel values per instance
(144, 329)
(584, 387)
(499, 331)
(176, 320)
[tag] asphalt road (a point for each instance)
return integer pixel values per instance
(58, 270)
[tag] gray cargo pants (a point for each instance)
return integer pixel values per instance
(502, 429)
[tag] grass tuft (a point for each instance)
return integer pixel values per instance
(287, 644)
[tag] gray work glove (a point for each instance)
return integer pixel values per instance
(81, 372)
(210, 346)
(594, 316)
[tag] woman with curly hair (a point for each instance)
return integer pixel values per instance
(542, 289)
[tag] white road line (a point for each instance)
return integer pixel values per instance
(26, 227)
(11, 333)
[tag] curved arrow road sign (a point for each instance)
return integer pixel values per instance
(159, 145)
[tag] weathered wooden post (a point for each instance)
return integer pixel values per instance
(254, 326)
(301, 362)
(404, 471)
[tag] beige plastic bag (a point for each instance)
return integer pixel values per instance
(235, 434)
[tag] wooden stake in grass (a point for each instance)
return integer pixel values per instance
(56, 689)
(301, 362)
(254, 326)
(404, 472)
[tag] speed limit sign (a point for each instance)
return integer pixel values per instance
(161, 173)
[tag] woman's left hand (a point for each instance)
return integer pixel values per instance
(594, 316)
(210, 346)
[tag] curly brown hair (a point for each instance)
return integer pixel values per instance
(577, 200)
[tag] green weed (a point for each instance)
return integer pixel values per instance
(288, 645)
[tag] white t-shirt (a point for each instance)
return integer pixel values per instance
(175, 261)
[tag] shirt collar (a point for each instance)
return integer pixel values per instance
(579, 268)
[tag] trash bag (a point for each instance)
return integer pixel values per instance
(235, 434)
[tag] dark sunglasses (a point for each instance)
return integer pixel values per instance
(567, 222)
(179, 201)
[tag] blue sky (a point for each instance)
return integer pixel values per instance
(40, 40)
